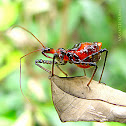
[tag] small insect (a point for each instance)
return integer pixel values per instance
(83, 55)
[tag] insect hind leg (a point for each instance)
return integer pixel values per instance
(87, 63)
(91, 56)
(101, 51)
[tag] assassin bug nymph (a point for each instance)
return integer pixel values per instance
(83, 55)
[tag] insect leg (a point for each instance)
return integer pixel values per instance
(44, 50)
(52, 51)
(46, 55)
(87, 63)
(48, 62)
(44, 62)
(92, 75)
(84, 72)
(61, 70)
(48, 50)
(103, 50)
(54, 57)
(91, 57)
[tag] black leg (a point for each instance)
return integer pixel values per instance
(54, 57)
(44, 62)
(49, 62)
(94, 58)
(87, 63)
(103, 50)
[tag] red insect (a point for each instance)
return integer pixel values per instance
(83, 55)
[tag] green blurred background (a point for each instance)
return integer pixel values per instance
(56, 23)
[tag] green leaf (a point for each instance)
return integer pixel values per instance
(97, 24)
(12, 63)
(8, 15)
(74, 14)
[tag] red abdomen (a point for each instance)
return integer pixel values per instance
(84, 52)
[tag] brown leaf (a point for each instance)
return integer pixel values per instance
(74, 101)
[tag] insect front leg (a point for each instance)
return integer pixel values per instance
(48, 50)
(45, 50)
(54, 57)
(48, 62)
(44, 62)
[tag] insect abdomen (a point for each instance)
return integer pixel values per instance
(88, 52)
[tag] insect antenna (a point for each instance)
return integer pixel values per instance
(28, 32)
(27, 54)
(20, 72)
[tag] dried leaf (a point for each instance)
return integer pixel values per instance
(74, 101)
